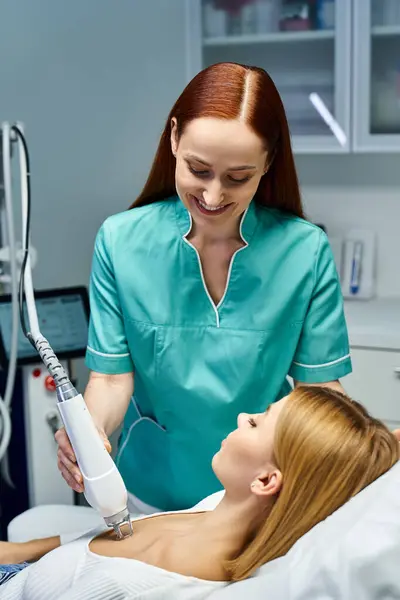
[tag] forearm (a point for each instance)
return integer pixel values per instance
(17, 553)
(35, 549)
(107, 398)
(335, 385)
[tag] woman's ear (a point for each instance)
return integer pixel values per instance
(174, 136)
(267, 484)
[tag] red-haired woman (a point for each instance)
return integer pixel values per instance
(208, 292)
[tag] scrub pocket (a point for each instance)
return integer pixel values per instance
(143, 458)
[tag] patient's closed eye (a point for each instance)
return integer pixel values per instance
(252, 422)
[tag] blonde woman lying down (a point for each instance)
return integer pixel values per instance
(283, 471)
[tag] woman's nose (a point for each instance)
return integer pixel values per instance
(242, 419)
(213, 195)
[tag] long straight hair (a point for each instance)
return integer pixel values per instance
(328, 449)
(232, 91)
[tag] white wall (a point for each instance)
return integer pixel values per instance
(93, 81)
(363, 191)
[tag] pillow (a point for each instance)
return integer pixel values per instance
(353, 554)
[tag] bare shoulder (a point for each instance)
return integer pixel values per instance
(192, 563)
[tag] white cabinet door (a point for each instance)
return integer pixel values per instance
(304, 54)
(375, 383)
(376, 65)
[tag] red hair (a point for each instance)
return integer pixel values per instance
(232, 91)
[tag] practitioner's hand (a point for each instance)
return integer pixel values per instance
(396, 432)
(66, 459)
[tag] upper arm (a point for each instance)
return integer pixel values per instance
(107, 350)
(322, 354)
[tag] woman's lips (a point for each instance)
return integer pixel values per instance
(200, 205)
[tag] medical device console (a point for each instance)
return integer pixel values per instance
(63, 315)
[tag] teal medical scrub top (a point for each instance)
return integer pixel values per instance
(197, 365)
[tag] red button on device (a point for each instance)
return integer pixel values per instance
(49, 384)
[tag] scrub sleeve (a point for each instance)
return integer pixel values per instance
(106, 327)
(323, 352)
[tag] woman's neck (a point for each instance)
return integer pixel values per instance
(224, 531)
(205, 235)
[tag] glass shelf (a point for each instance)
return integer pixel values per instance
(269, 38)
(385, 30)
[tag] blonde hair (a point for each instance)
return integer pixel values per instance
(328, 449)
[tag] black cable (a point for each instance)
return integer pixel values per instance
(27, 333)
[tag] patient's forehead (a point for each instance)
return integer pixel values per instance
(274, 409)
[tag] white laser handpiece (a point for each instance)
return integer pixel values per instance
(104, 487)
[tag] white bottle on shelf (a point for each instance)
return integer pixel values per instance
(326, 14)
(214, 20)
(234, 23)
(249, 18)
(267, 15)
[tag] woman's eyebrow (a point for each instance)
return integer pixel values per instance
(206, 164)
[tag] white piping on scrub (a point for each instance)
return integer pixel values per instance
(107, 355)
(216, 307)
(202, 276)
(328, 364)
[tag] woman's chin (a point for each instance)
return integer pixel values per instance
(215, 461)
